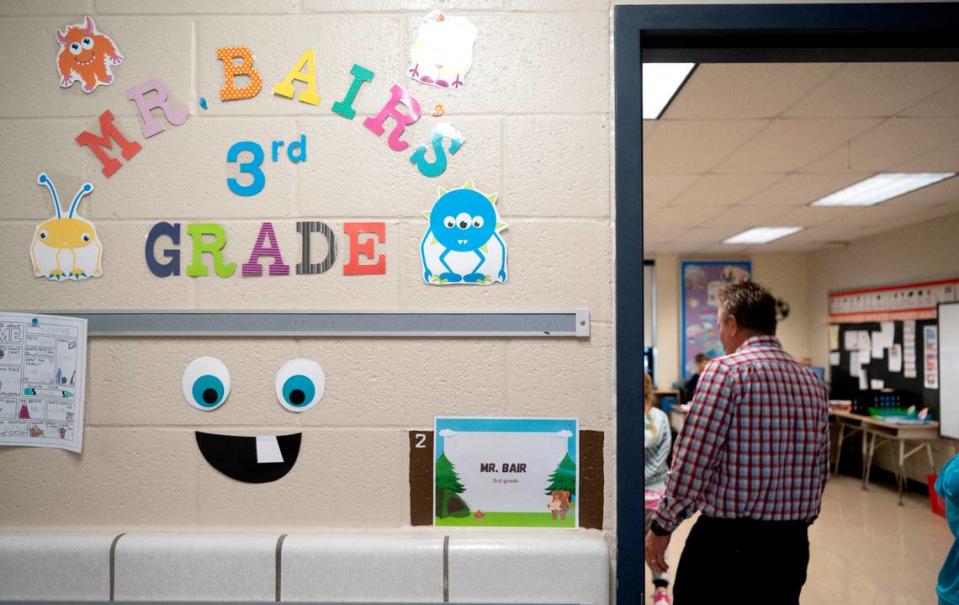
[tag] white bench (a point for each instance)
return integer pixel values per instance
(422, 565)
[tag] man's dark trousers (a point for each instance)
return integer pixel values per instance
(742, 561)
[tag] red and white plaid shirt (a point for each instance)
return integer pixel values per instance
(755, 443)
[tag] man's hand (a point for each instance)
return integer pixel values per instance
(656, 552)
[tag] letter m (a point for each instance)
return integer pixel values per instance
(97, 144)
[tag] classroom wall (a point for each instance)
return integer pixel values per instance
(914, 253)
(783, 274)
(547, 155)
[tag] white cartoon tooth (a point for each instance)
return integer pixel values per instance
(267, 449)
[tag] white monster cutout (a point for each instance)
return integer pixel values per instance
(443, 50)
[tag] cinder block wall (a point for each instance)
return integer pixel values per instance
(536, 115)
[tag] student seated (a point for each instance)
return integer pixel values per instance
(690, 387)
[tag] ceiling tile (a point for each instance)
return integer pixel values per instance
(715, 91)
(740, 218)
(694, 146)
(944, 158)
(724, 189)
(943, 104)
(800, 190)
(671, 217)
(836, 160)
(892, 216)
(788, 145)
(898, 140)
(709, 235)
(875, 89)
(815, 216)
(659, 189)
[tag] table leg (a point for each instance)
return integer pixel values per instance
(839, 437)
(932, 463)
(872, 451)
(865, 456)
(901, 470)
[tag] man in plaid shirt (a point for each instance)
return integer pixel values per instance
(753, 457)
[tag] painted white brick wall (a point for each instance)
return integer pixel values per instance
(536, 116)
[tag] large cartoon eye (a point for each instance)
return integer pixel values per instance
(43, 235)
(477, 221)
(75, 49)
(463, 220)
(85, 237)
(450, 222)
(300, 384)
(206, 383)
(87, 42)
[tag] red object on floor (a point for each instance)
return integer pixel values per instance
(937, 504)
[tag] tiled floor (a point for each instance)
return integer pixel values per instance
(865, 549)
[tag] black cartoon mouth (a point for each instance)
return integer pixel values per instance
(237, 457)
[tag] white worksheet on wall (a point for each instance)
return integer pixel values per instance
(42, 376)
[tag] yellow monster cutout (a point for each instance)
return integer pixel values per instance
(66, 247)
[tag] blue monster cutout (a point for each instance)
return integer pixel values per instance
(456, 247)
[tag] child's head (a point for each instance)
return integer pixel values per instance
(649, 398)
(701, 360)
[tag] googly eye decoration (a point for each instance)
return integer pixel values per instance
(300, 384)
(206, 383)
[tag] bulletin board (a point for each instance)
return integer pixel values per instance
(845, 385)
(701, 283)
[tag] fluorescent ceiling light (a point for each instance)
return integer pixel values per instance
(761, 235)
(884, 186)
(661, 82)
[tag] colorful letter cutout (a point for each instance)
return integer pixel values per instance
(151, 125)
(285, 87)
(108, 131)
(172, 266)
(367, 249)
(391, 110)
(196, 231)
(345, 107)
(231, 70)
(252, 267)
(437, 167)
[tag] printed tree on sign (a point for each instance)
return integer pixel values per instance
(563, 478)
(448, 488)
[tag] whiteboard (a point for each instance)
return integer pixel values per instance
(949, 370)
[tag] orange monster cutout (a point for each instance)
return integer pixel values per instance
(86, 55)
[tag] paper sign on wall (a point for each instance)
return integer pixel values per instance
(930, 353)
(85, 56)
(895, 359)
(443, 50)
(833, 338)
(42, 377)
(462, 243)
(517, 472)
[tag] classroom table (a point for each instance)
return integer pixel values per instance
(885, 433)
(876, 433)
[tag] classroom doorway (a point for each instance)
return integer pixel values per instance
(761, 151)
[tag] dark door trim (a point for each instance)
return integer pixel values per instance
(710, 34)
